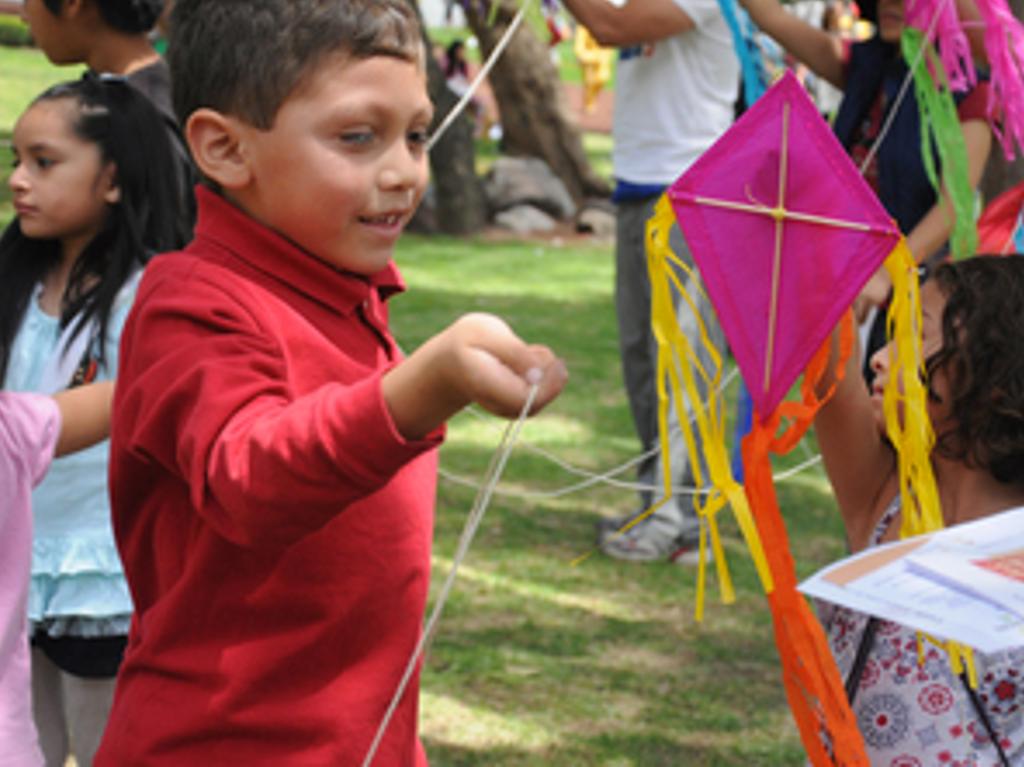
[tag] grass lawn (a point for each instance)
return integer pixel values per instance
(537, 662)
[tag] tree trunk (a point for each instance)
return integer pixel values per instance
(534, 119)
(461, 207)
(459, 203)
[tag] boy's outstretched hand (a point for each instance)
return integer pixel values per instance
(476, 359)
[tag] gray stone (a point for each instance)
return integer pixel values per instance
(524, 219)
(599, 221)
(527, 180)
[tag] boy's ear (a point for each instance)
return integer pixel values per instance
(113, 194)
(111, 189)
(217, 148)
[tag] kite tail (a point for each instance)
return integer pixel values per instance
(814, 688)
(813, 685)
(948, 37)
(906, 399)
(907, 422)
(1004, 45)
(678, 369)
(941, 133)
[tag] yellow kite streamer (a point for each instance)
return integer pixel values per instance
(676, 363)
(907, 422)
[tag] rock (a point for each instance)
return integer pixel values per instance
(524, 219)
(599, 221)
(515, 181)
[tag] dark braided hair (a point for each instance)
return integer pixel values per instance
(982, 356)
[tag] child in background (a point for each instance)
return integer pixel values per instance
(90, 198)
(33, 429)
(112, 37)
(456, 75)
(273, 456)
(911, 713)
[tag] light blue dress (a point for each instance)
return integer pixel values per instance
(78, 587)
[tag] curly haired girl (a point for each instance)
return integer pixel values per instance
(913, 712)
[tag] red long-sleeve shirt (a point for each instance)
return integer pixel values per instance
(275, 527)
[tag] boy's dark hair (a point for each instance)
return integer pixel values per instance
(982, 339)
(129, 133)
(131, 16)
(244, 58)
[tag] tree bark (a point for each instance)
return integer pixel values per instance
(461, 207)
(459, 203)
(535, 121)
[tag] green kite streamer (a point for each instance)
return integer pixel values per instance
(942, 135)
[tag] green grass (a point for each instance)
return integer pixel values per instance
(538, 662)
(26, 73)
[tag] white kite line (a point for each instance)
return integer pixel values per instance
(476, 514)
(480, 76)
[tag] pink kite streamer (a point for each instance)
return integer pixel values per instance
(1004, 44)
(947, 34)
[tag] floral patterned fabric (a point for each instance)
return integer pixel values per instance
(919, 714)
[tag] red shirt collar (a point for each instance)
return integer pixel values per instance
(225, 227)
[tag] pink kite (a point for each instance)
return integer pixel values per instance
(785, 233)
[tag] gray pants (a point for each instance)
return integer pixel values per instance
(70, 711)
(639, 351)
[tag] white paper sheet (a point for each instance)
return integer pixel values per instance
(934, 583)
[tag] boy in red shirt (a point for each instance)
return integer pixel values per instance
(273, 455)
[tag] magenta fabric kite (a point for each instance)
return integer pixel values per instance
(785, 233)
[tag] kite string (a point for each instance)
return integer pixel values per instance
(607, 477)
(476, 514)
(500, 456)
(474, 86)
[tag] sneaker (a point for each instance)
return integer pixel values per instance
(687, 553)
(651, 540)
(609, 526)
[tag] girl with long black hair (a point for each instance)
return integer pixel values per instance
(94, 199)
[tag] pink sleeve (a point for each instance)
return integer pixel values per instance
(29, 427)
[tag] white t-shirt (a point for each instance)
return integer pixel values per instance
(673, 98)
(29, 426)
